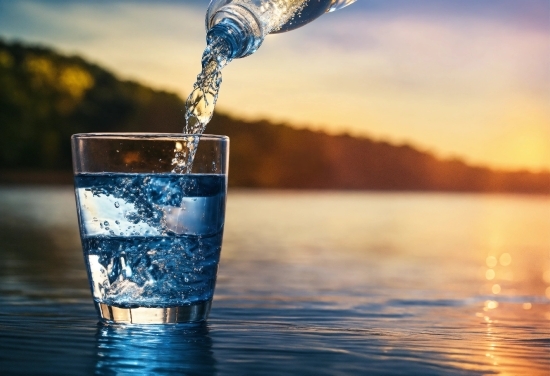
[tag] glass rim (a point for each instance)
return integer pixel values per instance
(145, 136)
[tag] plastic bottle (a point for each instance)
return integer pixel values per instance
(236, 28)
(244, 24)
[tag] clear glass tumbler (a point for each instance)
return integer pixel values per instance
(151, 236)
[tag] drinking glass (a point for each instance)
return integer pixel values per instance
(151, 223)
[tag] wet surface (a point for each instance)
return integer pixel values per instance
(309, 283)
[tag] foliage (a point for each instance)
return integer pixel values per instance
(46, 97)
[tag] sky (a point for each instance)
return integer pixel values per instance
(459, 78)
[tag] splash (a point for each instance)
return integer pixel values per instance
(201, 102)
(200, 105)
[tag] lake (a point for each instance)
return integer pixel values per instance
(310, 283)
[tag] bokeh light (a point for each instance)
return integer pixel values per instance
(505, 259)
(491, 261)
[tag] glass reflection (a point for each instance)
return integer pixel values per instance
(154, 350)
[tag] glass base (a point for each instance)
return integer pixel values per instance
(144, 315)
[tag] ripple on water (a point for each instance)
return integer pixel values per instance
(302, 294)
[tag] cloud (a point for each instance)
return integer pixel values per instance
(520, 13)
(448, 80)
(450, 75)
(157, 44)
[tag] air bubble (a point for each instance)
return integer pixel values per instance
(117, 205)
(117, 222)
(106, 223)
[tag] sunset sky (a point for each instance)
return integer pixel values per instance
(465, 78)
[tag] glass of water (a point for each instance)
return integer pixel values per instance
(151, 211)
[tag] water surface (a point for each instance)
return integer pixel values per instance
(309, 283)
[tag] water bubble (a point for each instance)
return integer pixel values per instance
(106, 223)
(117, 205)
(117, 222)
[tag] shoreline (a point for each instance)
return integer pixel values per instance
(53, 178)
(65, 178)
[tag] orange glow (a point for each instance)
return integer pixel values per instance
(131, 157)
(396, 76)
(491, 261)
(505, 259)
(527, 131)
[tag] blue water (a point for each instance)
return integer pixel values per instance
(151, 240)
(152, 271)
(309, 283)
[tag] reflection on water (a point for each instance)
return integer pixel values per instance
(40, 250)
(309, 283)
(154, 350)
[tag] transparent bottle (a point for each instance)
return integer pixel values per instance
(244, 24)
(237, 28)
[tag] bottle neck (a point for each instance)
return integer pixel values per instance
(238, 28)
